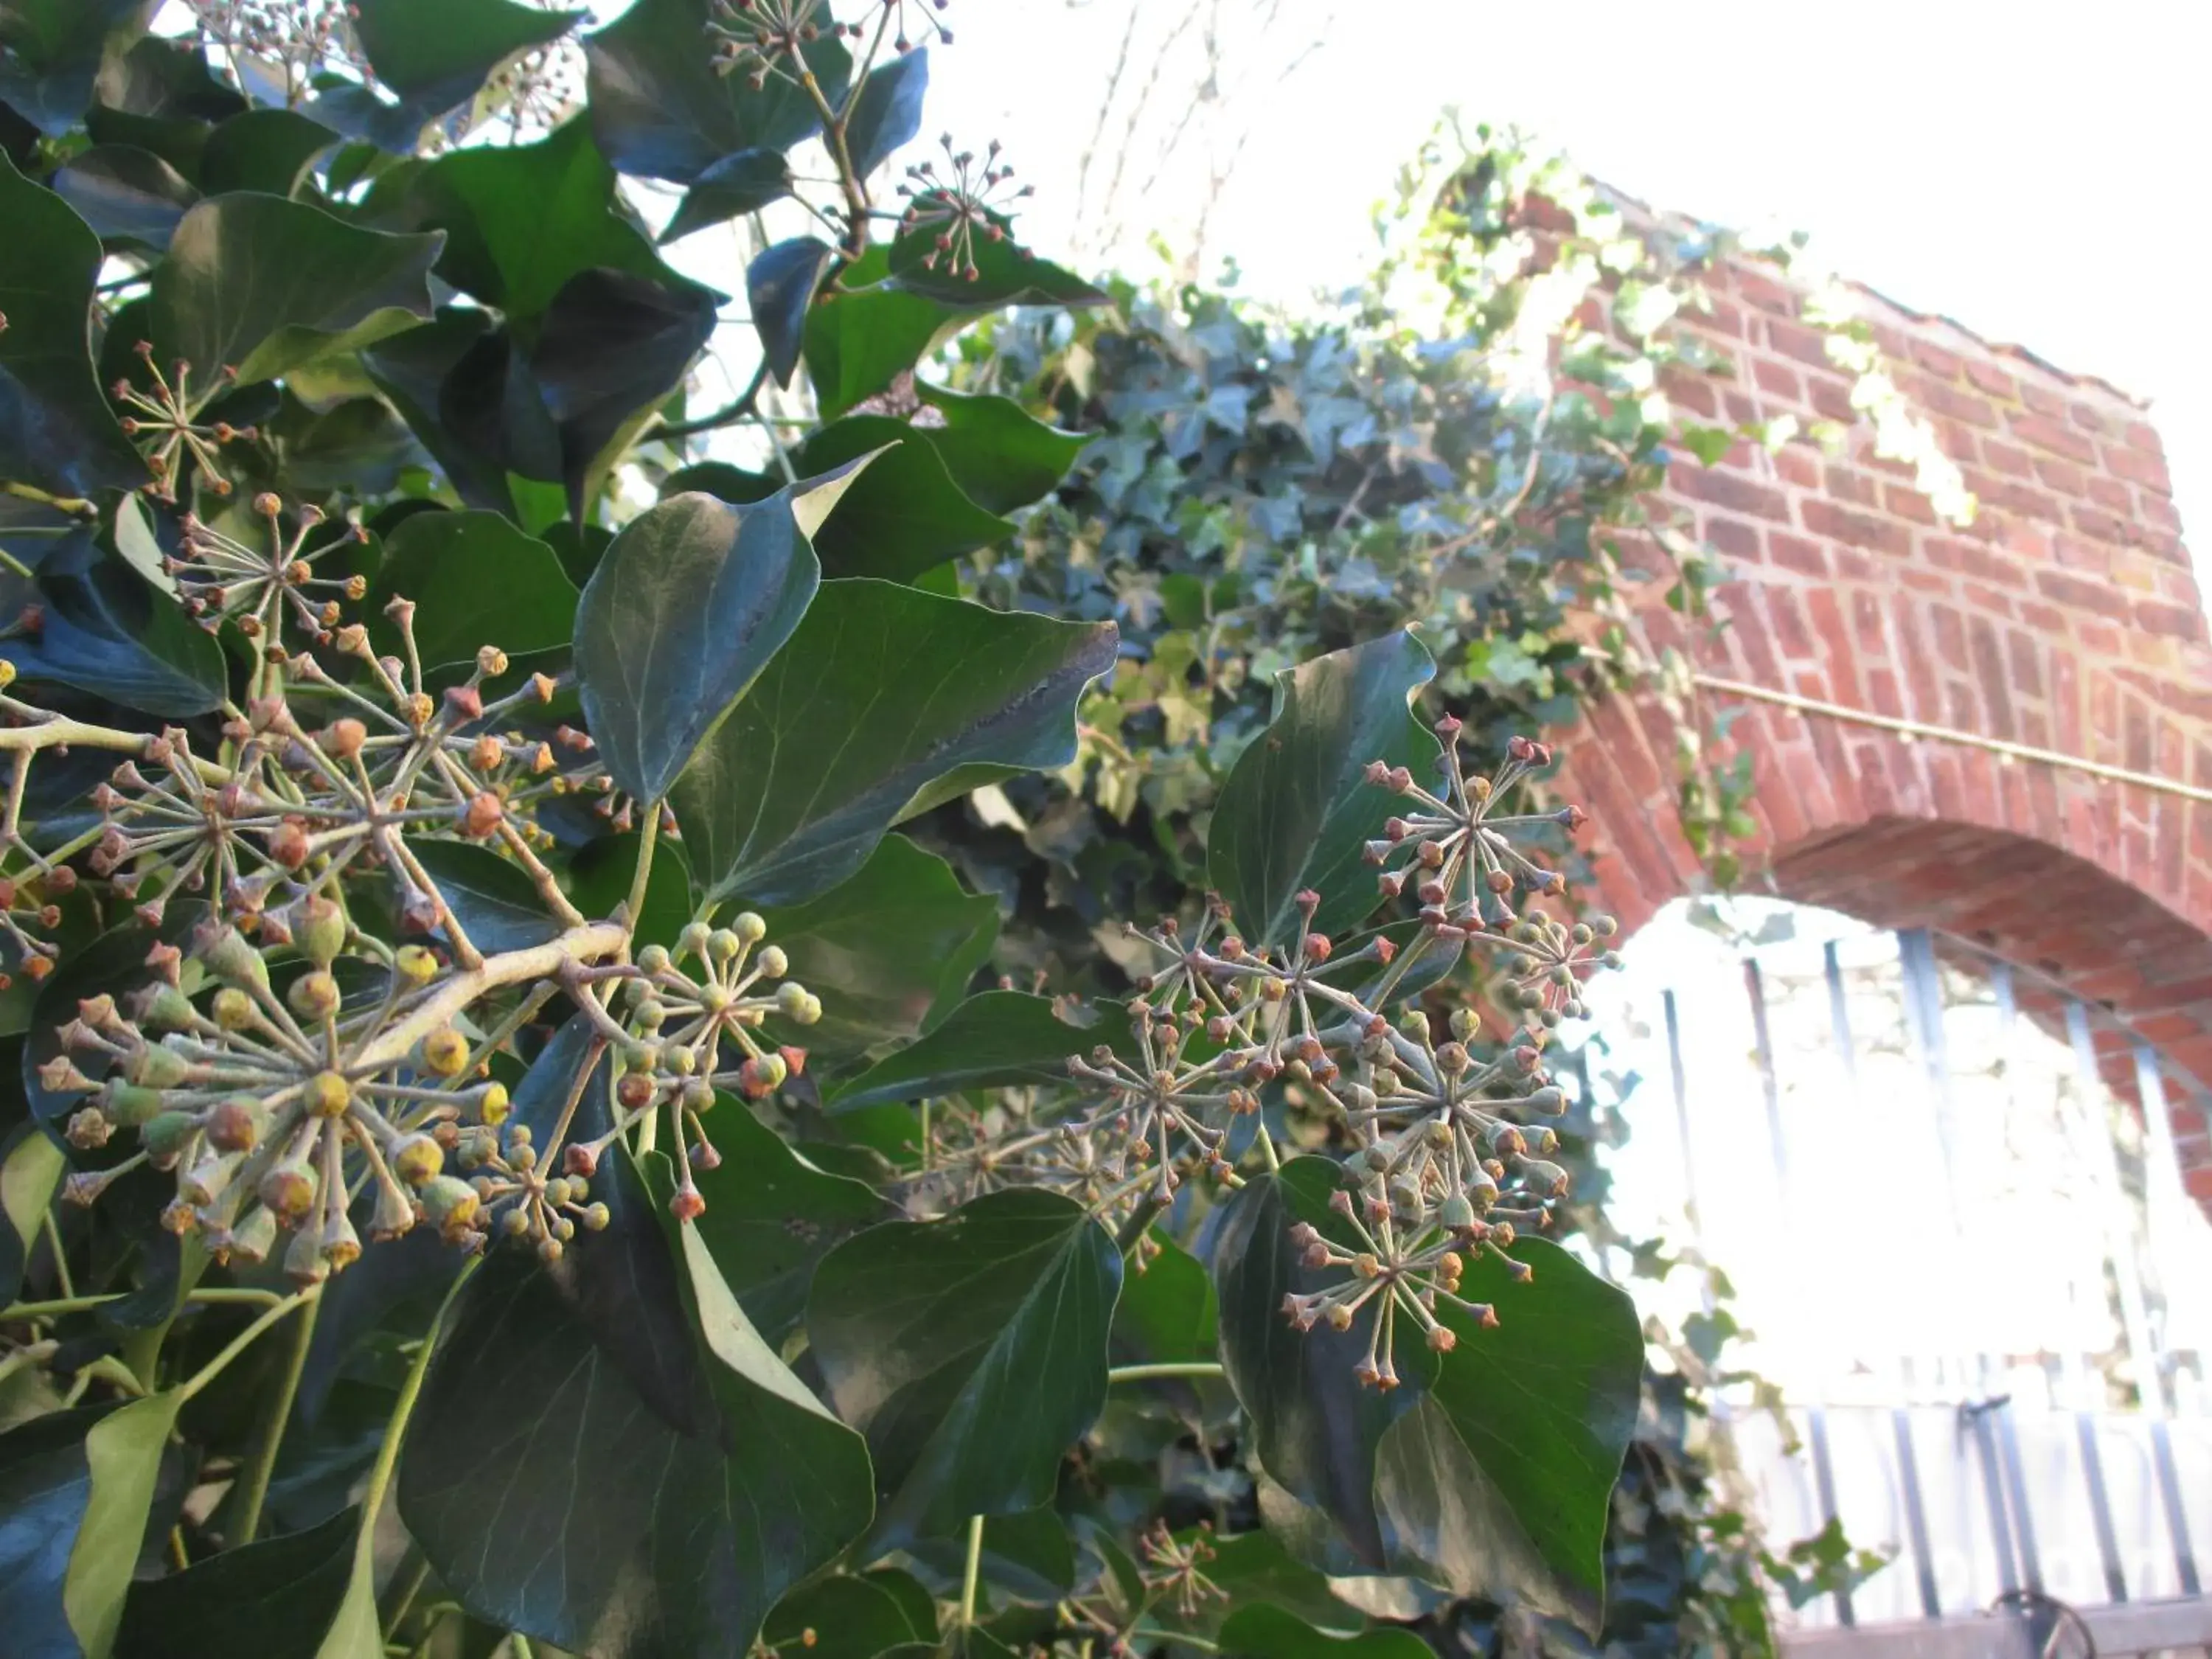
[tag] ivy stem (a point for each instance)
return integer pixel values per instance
(71, 504)
(646, 837)
(971, 1575)
(253, 1491)
(53, 1232)
(1196, 1368)
(245, 1340)
(395, 1432)
(69, 1304)
(1138, 1224)
(1266, 1143)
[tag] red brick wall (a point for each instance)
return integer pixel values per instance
(2065, 616)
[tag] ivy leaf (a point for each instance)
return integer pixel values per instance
(885, 702)
(276, 1599)
(887, 114)
(124, 193)
(743, 183)
(996, 453)
(660, 111)
(1004, 272)
(495, 902)
(691, 603)
(607, 1456)
(268, 151)
(771, 1216)
(54, 49)
(1261, 1631)
(434, 56)
(1168, 1313)
(476, 580)
(104, 630)
(1296, 809)
(972, 1351)
(32, 1164)
(862, 334)
(57, 431)
(882, 949)
(907, 515)
(446, 359)
(264, 285)
(996, 1039)
(850, 1617)
(780, 286)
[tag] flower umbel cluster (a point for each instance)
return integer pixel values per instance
(953, 209)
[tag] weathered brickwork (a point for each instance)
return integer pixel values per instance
(2066, 616)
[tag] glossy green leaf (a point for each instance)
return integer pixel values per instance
(495, 901)
(740, 184)
(1028, 1556)
(845, 1616)
(1168, 1313)
(54, 51)
(1296, 810)
(45, 1483)
(263, 285)
(420, 370)
(862, 334)
(690, 603)
(476, 581)
(887, 114)
(996, 1039)
(882, 949)
(1490, 1471)
(996, 453)
(434, 54)
(57, 431)
(276, 1599)
(907, 515)
(660, 111)
(605, 1454)
(1255, 1567)
(982, 273)
(885, 702)
(771, 1216)
(123, 1459)
(103, 630)
(268, 151)
(31, 1169)
(124, 193)
(972, 1351)
(780, 286)
(1262, 1631)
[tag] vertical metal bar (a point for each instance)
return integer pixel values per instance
(1674, 1071)
(2100, 1505)
(2164, 1182)
(1993, 1493)
(2031, 1559)
(1916, 1514)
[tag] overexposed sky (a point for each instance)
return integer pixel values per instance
(2031, 169)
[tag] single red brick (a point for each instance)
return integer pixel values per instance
(2047, 434)
(2079, 594)
(2181, 621)
(2003, 458)
(1779, 379)
(2148, 471)
(1807, 558)
(1991, 379)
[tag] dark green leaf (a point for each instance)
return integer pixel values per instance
(887, 114)
(1254, 1567)
(885, 702)
(105, 631)
(843, 1617)
(996, 1039)
(862, 334)
(122, 1456)
(275, 1599)
(1027, 1557)
(53, 53)
(1168, 1313)
(690, 603)
(417, 370)
(972, 1351)
(771, 1216)
(607, 1456)
(496, 903)
(56, 429)
(906, 515)
(780, 286)
(1262, 1631)
(722, 480)
(45, 1483)
(660, 111)
(263, 285)
(982, 274)
(31, 1169)
(898, 939)
(476, 580)
(599, 879)
(268, 151)
(995, 451)
(124, 193)
(1295, 811)
(743, 183)
(435, 54)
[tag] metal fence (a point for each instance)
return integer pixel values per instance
(1982, 1289)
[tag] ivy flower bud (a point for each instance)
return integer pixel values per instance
(417, 1159)
(288, 1190)
(237, 1125)
(314, 996)
(233, 1009)
(749, 926)
(326, 1094)
(451, 1204)
(796, 1003)
(444, 1052)
(416, 965)
(773, 962)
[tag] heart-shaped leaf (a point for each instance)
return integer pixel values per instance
(104, 630)
(124, 193)
(31, 1169)
(849, 1616)
(53, 53)
(886, 702)
(972, 1351)
(780, 286)
(743, 183)
(263, 285)
(57, 431)
(884, 948)
(771, 1216)
(276, 1599)
(887, 114)
(268, 151)
(996, 1039)
(660, 111)
(606, 1455)
(862, 333)
(476, 580)
(496, 904)
(1296, 810)
(433, 55)
(907, 515)
(1490, 1471)
(690, 603)
(995, 451)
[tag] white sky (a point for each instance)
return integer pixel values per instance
(2033, 168)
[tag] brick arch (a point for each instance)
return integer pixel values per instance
(2066, 617)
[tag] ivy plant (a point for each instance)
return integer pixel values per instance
(507, 1142)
